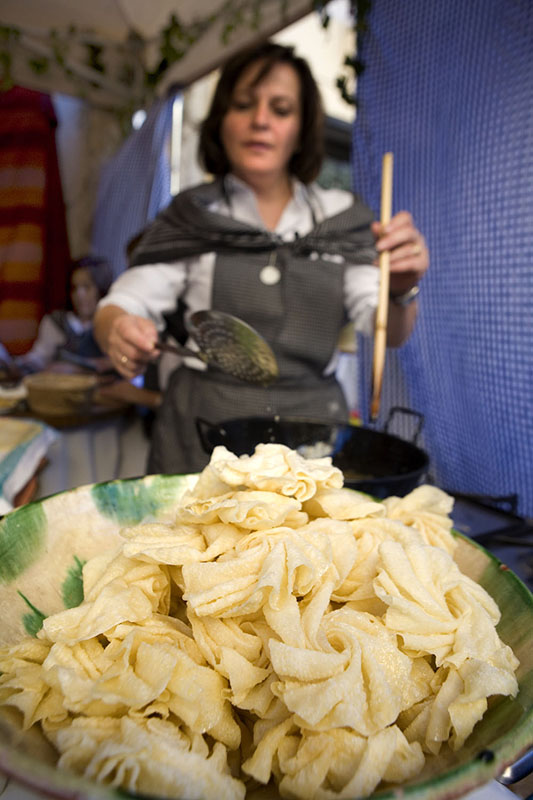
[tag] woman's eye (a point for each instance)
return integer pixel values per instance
(282, 111)
(241, 105)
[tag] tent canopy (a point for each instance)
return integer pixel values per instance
(122, 53)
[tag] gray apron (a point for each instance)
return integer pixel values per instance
(300, 316)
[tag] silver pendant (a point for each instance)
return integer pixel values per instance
(270, 275)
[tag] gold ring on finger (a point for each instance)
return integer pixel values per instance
(123, 359)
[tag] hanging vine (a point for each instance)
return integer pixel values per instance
(82, 57)
(359, 11)
(94, 67)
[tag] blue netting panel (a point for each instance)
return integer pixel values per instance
(134, 186)
(448, 87)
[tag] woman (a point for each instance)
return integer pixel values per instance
(67, 335)
(266, 244)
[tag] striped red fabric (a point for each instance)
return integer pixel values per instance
(34, 250)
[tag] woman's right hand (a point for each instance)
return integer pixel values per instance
(131, 344)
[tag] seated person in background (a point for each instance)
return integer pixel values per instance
(67, 335)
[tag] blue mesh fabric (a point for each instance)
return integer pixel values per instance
(134, 186)
(448, 87)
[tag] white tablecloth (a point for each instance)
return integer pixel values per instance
(102, 451)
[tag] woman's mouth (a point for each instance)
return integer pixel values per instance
(255, 145)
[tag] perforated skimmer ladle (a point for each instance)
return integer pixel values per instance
(230, 345)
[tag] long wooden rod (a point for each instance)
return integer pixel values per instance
(382, 312)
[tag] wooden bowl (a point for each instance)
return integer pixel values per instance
(56, 393)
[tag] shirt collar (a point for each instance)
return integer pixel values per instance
(296, 216)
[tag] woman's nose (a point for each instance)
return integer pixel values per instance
(260, 116)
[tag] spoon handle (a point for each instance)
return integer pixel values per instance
(179, 350)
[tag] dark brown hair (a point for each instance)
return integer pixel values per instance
(99, 270)
(305, 164)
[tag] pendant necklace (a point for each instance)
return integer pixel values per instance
(270, 273)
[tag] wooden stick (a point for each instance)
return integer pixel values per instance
(382, 312)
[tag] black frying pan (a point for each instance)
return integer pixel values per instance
(372, 461)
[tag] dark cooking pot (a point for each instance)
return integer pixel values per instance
(372, 461)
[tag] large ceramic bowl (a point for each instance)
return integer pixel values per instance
(42, 548)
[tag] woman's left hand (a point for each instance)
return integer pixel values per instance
(409, 256)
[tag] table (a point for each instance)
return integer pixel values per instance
(104, 443)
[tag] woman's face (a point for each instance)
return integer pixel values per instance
(84, 294)
(261, 129)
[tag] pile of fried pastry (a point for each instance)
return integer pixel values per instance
(280, 630)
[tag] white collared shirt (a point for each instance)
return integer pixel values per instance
(153, 290)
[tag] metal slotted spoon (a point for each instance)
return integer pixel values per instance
(230, 345)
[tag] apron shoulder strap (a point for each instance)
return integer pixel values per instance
(346, 233)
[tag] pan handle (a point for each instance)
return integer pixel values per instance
(403, 410)
(517, 771)
(203, 427)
